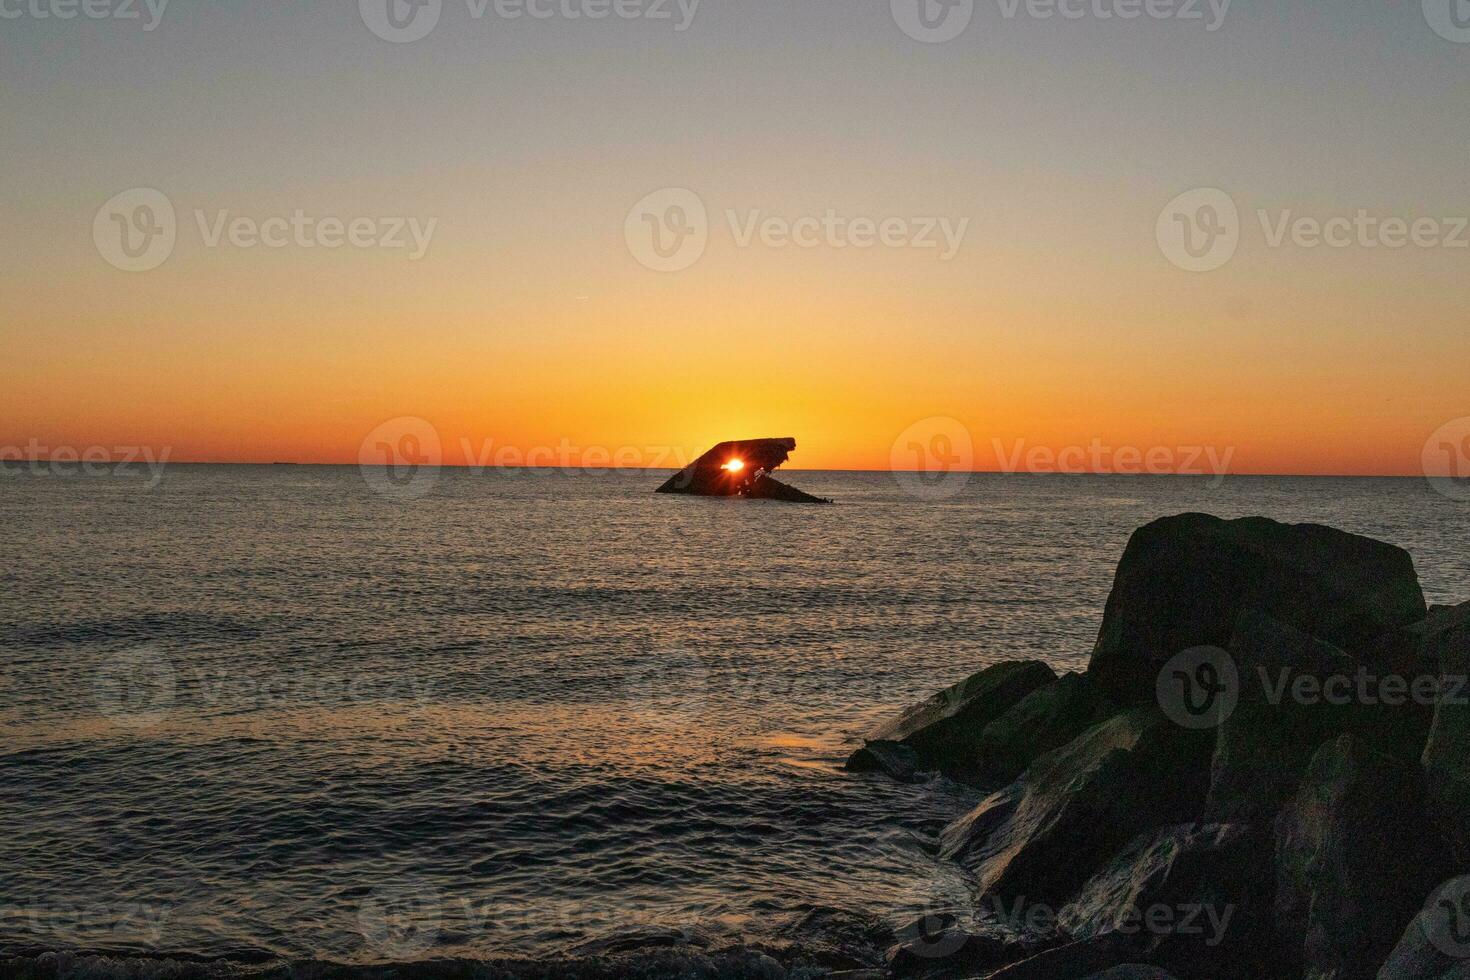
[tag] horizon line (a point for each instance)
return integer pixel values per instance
(653, 469)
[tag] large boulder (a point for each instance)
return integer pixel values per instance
(1197, 896)
(1047, 718)
(1296, 692)
(1356, 852)
(1447, 752)
(1436, 946)
(944, 731)
(1183, 581)
(1044, 835)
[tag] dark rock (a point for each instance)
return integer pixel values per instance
(837, 939)
(1075, 807)
(1264, 746)
(715, 474)
(1132, 971)
(1197, 896)
(1047, 718)
(1443, 629)
(891, 758)
(1436, 945)
(1080, 959)
(939, 944)
(944, 730)
(1447, 752)
(1183, 581)
(1356, 853)
(1262, 749)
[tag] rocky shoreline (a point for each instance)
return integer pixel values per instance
(1263, 774)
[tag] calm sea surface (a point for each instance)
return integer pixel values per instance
(269, 710)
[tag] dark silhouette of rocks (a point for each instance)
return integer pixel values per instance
(1047, 718)
(1184, 581)
(1447, 749)
(1216, 882)
(740, 468)
(943, 732)
(1040, 838)
(1355, 859)
(1317, 820)
(1263, 747)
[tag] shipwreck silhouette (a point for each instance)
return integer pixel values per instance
(740, 468)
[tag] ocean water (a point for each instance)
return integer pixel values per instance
(273, 712)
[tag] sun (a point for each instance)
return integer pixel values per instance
(734, 466)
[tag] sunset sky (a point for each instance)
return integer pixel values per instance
(530, 319)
